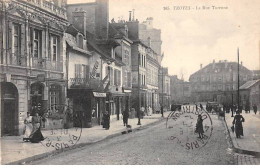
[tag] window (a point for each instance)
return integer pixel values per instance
(85, 72)
(80, 41)
(36, 43)
(129, 79)
(54, 97)
(111, 76)
(78, 71)
(115, 77)
(54, 48)
(17, 42)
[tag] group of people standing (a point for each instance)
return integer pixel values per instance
(32, 131)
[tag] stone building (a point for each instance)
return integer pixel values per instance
(218, 81)
(250, 94)
(86, 89)
(152, 71)
(123, 53)
(164, 88)
(32, 61)
(180, 90)
(93, 18)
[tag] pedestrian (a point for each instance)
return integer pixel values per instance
(238, 119)
(199, 127)
(201, 107)
(106, 119)
(149, 111)
(125, 117)
(255, 108)
(162, 110)
(36, 135)
(173, 107)
(142, 112)
(247, 108)
(28, 127)
(196, 107)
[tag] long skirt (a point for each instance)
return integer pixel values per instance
(28, 130)
(36, 135)
(239, 129)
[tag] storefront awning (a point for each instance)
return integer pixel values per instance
(99, 94)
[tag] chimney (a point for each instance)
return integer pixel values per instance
(79, 20)
(101, 19)
(226, 64)
(133, 14)
(241, 63)
(200, 66)
(213, 64)
(130, 16)
(149, 41)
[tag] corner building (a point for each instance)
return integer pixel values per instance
(32, 61)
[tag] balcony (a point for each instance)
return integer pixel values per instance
(41, 63)
(50, 7)
(85, 83)
(18, 60)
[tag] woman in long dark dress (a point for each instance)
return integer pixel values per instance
(238, 119)
(36, 135)
(199, 126)
(106, 119)
(125, 117)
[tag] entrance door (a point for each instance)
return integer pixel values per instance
(9, 117)
(37, 98)
(9, 109)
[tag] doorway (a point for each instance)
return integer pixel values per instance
(9, 109)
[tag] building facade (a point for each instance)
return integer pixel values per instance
(218, 82)
(164, 88)
(180, 90)
(32, 61)
(94, 21)
(152, 81)
(250, 94)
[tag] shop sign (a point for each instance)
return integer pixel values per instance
(97, 94)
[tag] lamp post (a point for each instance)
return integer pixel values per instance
(162, 91)
(238, 102)
(138, 90)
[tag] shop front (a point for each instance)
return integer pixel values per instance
(88, 106)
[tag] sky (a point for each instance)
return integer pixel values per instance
(193, 37)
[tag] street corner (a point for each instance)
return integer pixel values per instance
(181, 129)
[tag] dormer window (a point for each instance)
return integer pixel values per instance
(126, 30)
(80, 41)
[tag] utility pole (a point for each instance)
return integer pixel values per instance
(139, 100)
(238, 102)
(162, 92)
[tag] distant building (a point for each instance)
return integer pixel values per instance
(250, 93)
(180, 90)
(256, 74)
(218, 82)
(164, 88)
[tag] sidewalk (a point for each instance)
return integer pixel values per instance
(15, 151)
(250, 142)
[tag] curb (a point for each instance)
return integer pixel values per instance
(238, 150)
(76, 146)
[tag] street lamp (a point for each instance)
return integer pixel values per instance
(238, 102)
(138, 90)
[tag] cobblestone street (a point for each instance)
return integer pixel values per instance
(152, 146)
